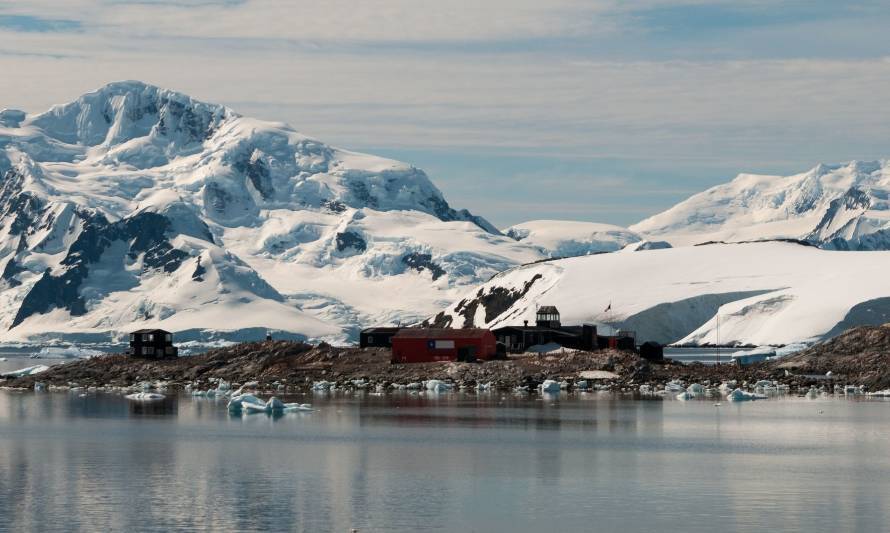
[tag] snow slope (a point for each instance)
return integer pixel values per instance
(565, 238)
(762, 293)
(135, 206)
(843, 207)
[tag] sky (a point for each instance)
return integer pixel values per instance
(599, 110)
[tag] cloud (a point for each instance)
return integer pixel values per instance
(29, 23)
(664, 96)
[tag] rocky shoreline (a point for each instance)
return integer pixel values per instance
(859, 357)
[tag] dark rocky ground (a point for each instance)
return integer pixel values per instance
(859, 357)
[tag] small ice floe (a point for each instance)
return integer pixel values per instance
(550, 386)
(437, 386)
(645, 389)
(813, 393)
(414, 386)
(521, 389)
(685, 395)
(144, 396)
(582, 385)
(738, 395)
(3, 359)
(881, 393)
(39, 386)
(249, 404)
(483, 387)
(27, 371)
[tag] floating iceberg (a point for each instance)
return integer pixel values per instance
(483, 387)
(27, 371)
(738, 395)
(674, 386)
(237, 402)
(685, 395)
(813, 393)
(645, 389)
(39, 386)
(67, 352)
(550, 386)
(582, 385)
(145, 396)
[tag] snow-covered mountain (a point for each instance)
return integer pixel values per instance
(744, 294)
(137, 206)
(566, 238)
(842, 207)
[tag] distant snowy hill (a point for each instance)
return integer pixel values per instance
(137, 206)
(565, 238)
(842, 207)
(743, 294)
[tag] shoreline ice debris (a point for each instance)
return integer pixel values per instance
(685, 395)
(27, 371)
(738, 395)
(435, 385)
(145, 396)
(320, 386)
(550, 386)
(249, 404)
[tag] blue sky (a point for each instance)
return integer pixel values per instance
(599, 110)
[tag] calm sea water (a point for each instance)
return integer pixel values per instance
(586, 462)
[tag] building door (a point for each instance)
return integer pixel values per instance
(466, 354)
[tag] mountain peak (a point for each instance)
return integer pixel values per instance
(122, 111)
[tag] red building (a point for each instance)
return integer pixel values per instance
(421, 345)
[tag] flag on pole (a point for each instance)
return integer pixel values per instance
(609, 308)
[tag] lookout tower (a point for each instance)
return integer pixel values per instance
(547, 317)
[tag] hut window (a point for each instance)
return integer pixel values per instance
(132, 337)
(169, 337)
(370, 339)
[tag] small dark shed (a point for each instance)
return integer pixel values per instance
(424, 345)
(377, 337)
(155, 343)
(652, 351)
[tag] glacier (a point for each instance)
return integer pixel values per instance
(749, 294)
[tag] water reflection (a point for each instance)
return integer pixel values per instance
(412, 462)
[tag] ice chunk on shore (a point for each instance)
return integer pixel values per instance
(27, 371)
(145, 396)
(674, 386)
(322, 385)
(738, 395)
(434, 385)
(550, 386)
(696, 389)
(582, 385)
(685, 395)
